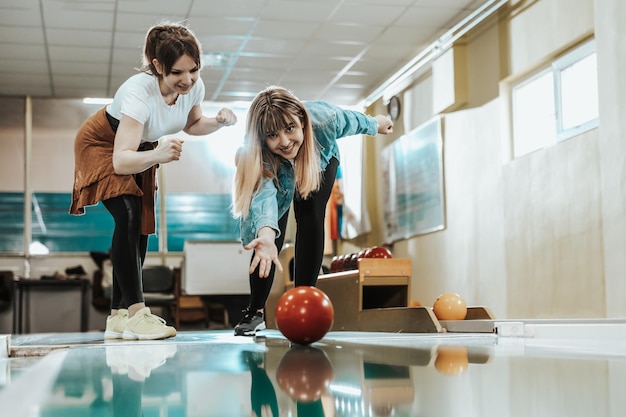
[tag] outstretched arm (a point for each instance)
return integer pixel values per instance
(350, 122)
(198, 124)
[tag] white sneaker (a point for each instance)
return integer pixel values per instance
(138, 361)
(116, 325)
(144, 359)
(146, 326)
(116, 359)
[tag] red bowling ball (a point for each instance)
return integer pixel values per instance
(334, 264)
(352, 263)
(304, 373)
(341, 259)
(378, 252)
(304, 314)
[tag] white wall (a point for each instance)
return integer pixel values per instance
(610, 16)
(540, 236)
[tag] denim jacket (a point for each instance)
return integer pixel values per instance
(329, 123)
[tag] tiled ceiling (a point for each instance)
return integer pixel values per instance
(336, 50)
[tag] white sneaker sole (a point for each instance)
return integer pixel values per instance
(156, 336)
(113, 335)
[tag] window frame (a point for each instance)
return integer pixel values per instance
(555, 64)
(576, 55)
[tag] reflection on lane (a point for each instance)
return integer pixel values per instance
(419, 375)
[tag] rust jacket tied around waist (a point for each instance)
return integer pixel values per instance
(95, 179)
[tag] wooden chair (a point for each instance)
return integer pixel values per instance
(99, 300)
(161, 288)
(6, 290)
(190, 308)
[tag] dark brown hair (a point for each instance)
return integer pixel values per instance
(167, 43)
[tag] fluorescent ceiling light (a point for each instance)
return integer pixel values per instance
(97, 100)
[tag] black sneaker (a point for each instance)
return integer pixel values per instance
(250, 323)
(253, 359)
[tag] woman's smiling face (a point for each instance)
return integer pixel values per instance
(183, 75)
(287, 141)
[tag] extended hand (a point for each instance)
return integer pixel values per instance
(385, 125)
(226, 117)
(265, 253)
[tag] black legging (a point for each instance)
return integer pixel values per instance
(309, 250)
(128, 250)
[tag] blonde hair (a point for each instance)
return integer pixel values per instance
(272, 110)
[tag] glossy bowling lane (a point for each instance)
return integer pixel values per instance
(352, 374)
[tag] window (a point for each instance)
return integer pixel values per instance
(533, 114)
(194, 192)
(576, 91)
(197, 189)
(556, 103)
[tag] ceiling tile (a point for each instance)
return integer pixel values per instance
(24, 66)
(141, 22)
(21, 35)
(85, 38)
(20, 51)
(275, 46)
(219, 26)
(371, 14)
(350, 32)
(70, 19)
(298, 11)
(22, 16)
(290, 29)
(65, 67)
(156, 7)
(78, 53)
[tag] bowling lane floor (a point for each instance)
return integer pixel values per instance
(553, 370)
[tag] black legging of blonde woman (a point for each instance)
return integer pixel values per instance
(309, 251)
(128, 250)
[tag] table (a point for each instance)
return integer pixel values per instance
(23, 287)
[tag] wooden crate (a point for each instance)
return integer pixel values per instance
(373, 297)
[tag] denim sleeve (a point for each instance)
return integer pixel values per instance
(350, 122)
(336, 122)
(263, 213)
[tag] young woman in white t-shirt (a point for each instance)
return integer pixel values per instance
(116, 156)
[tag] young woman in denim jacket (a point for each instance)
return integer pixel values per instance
(290, 154)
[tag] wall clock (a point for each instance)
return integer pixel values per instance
(394, 108)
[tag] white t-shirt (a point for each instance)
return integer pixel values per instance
(140, 98)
